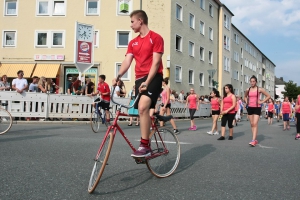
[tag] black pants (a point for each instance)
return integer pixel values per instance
(192, 113)
(228, 118)
(298, 122)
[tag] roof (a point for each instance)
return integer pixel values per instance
(278, 81)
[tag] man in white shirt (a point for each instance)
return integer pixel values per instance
(181, 97)
(20, 84)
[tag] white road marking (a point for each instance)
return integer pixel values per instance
(169, 142)
(264, 147)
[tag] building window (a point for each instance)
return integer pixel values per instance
(236, 38)
(191, 77)
(236, 56)
(178, 43)
(201, 79)
(202, 4)
(96, 39)
(210, 81)
(210, 57)
(48, 39)
(11, 7)
(191, 49)
(226, 22)
(202, 30)
(178, 74)
(192, 21)
(226, 64)
(50, 7)
(178, 12)
(92, 7)
(226, 42)
(9, 38)
(122, 38)
(125, 76)
(210, 33)
(211, 13)
(124, 7)
(202, 53)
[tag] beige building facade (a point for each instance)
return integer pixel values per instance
(38, 36)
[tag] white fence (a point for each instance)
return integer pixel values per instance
(30, 104)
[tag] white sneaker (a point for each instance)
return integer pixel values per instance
(209, 133)
(216, 133)
(4, 119)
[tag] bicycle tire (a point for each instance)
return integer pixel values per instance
(5, 121)
(110, 119)
(164, 165)
(95, 122)
(100, 163)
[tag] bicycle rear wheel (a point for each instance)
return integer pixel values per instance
(5, 121)
(110, 119)
(164, 165)
(95, 121)
(100, 162)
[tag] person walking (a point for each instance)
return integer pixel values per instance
(228, 111)
(297, 111)
(254, 106)
(193, 102)
(166, 104)
(237, 113)
(286, 110)
(215, 111)
(132, 111)
(147, 50)
(271, 111)
(277, 109)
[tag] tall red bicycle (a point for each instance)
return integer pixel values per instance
(165, 148)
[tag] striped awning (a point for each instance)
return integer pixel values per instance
(10, 70)
(46, 70)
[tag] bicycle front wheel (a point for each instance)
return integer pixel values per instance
(100, 162)
(166, 142)
(5, 121)
(95, 121)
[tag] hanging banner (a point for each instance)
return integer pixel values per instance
(84, 46)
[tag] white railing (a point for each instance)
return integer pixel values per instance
(31, 104)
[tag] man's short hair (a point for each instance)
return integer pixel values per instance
(35, 77)
(102, 76)
(20, 71)
(140, 14)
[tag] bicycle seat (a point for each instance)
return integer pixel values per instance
(164, 118)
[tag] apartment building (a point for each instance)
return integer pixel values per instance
(248, 60)
(200, 49)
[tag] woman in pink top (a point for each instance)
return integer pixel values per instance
(286, 110)
(193, 101)
(254, 109)
(215, 102)
(297, 111)
(166, 104)
(228, 111)
(271, 111)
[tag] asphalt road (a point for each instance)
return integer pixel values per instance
(54, 161)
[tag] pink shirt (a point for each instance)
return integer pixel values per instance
(215, 105)
(227, 103)
(192, 101)
(298, 111)
(253, 99)
(270, 107)
(286, 107)
(164, 97)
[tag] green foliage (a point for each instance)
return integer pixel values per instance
(291, 90)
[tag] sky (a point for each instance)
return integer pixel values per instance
(273, 26)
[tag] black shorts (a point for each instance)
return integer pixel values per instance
(104, 105)
(270, 114)
(167, 106)
(153, 89)
(215, 112)
(254, 110)
(229, 117)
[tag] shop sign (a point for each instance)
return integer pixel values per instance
(49, 57)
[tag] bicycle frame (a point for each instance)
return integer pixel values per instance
(115, 127)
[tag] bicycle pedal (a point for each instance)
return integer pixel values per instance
(140, 160)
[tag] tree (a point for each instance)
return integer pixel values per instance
(291, 90)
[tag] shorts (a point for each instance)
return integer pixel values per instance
(167, 106)
(270, 114)
(286, 117)
(192, 113)
(104, 105)
(229, 117)
(153, 89)
(215, 112)
(254, 110)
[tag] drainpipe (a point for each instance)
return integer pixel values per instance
(141, 5)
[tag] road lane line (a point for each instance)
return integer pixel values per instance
(264, 147)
